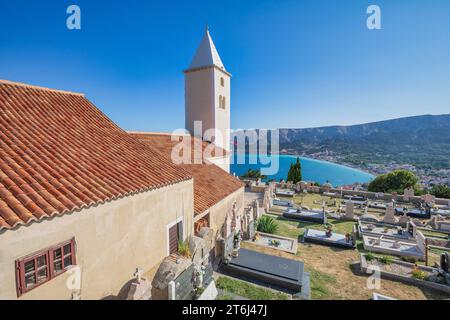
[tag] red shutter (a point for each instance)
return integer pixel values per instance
(19, 281)
(173, 239)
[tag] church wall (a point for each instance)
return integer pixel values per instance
(112, 240)
(219, 211)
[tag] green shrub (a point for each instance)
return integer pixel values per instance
(183, 249)
(386, 260)
(267, 224)
(419, 274)
(369, 256)
(410, 259)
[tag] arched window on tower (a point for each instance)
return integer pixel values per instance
(222, 102)
(222, 82)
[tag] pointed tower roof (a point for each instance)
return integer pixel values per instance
(206, 55)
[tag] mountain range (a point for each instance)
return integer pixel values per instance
(422, 141)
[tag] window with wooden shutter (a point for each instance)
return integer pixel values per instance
(42, 266)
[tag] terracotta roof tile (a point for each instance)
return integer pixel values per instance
(59, 153)
(211, 183)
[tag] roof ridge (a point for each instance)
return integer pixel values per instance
(159, 133)
(26, 85)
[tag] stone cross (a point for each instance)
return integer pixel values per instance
(138, 274)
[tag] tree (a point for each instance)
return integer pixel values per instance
(441, 191)
(295, 172)
(395, 181)
(253, 174)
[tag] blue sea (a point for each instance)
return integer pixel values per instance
(312, 170)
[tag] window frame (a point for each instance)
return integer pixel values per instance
(48, 253)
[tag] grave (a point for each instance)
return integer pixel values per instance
(414, 213)
(402, 248)
(305, 215)
(276, 242)
(377, 205)
(282, 203)
(280, 272)
(440, 212)
(333, 239)
(284, 193)
(355, 198)
(380, 229)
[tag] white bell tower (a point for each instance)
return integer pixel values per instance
(207, 94)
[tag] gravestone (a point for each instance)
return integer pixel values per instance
(389, 217)
(429, 199)
(184, 284)
(349, 210)
(404, 220)
(168, 271)
(227, 247)
(408, 194)
(445, 262)
(140, 288)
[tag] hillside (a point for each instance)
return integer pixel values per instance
(423, 141)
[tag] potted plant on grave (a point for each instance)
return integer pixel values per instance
(348, 237)
(328, 230)
(275, 243)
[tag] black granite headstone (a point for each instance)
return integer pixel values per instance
(445, 262)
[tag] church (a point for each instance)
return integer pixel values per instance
(82, 200)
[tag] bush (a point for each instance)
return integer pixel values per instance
(369, 256)
(184, 250)
(386, 260)
(441, 191)
(409, 259)
(267, 224)
(419, 274)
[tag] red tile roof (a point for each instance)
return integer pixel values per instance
(59, 153)
(211, 183)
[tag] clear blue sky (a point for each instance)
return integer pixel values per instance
(294, 63)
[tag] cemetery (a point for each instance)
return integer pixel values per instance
(326, 219)
(311, 226)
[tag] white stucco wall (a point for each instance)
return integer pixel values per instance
(218, 212)
(112, 240)
(202, 91)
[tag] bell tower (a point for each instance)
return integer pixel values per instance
(207, 95)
